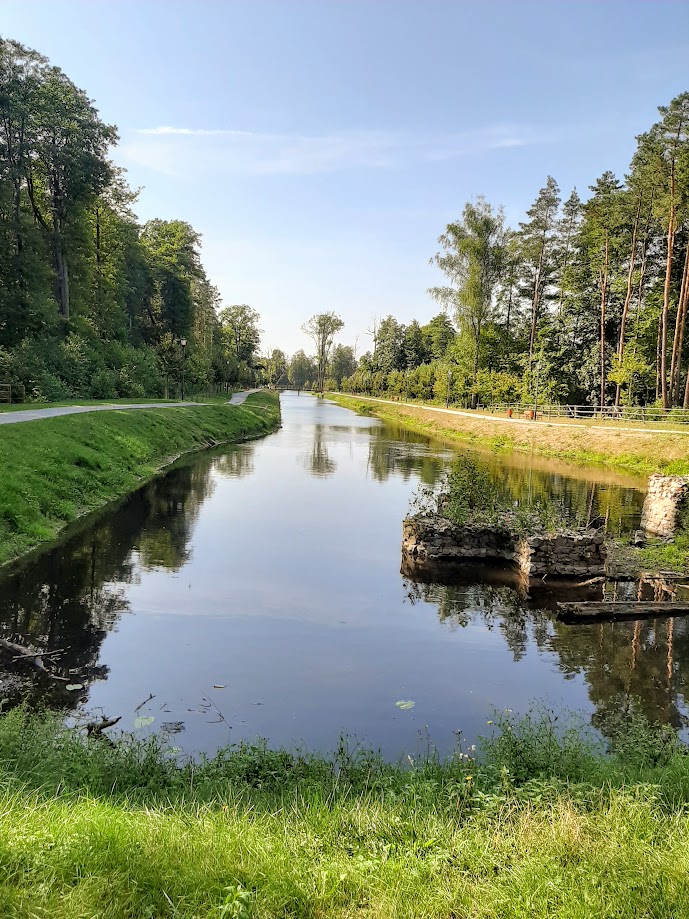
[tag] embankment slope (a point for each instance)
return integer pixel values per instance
(56, 470)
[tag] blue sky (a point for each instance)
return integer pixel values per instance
(321, 147)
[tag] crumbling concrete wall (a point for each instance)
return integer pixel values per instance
(665, 504)
(570, 554)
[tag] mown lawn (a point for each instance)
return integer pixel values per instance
(57, 469)
(542, 825)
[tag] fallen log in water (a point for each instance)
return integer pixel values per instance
(32, 657)
(611, 610)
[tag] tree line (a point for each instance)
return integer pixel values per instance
(585, 299)
(92, 304)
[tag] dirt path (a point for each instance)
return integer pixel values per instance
(478, 416)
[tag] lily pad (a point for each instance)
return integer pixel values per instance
(72, 687)
(143, 722)
(405, 705)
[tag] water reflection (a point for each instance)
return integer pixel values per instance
(627, 666)
(319, 462)
(272, 568)
(237, 463)
(590, 496)
(66, 602)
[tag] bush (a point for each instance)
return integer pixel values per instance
(49, 388)
(104, 385)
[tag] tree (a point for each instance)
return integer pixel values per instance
(438, 334)
(275, 367)
(301, 370)
(387, 354)
(472, 260)
(414, 351)
(567, 233)
(342, 363)
(322, 329)
(601, 241)
(240, 332)
(536, 240)
(67, 166)
(670, 137)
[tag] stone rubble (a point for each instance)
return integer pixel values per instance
(575, 554)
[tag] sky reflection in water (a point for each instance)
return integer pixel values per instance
(273, 569)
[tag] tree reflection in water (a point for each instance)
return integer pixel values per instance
(318, 462)
(67, 600)
(638, 666)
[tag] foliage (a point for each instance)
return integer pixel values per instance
(590, 298)
(541, 821)
(91, 304)
(469, 494)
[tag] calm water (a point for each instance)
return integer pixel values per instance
(256, 592)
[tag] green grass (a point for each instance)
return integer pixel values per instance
(659, 555)
(56, 470)
(643, 453)
(32, 406)
(542, 825)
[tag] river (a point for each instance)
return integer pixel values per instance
(255, 592)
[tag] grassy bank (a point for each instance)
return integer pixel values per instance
(539, 827)
(56, 470)
(636, 452)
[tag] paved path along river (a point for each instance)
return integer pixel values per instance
(36, 414)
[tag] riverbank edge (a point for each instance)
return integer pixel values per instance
(30, 490)
(628, 561)
(544, 440)
(123, 828)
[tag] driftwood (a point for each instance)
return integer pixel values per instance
(96, 728)
(609, 611)
(35, 657)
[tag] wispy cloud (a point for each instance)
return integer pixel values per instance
(168, 131)
(173, 150)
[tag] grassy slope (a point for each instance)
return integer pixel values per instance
(642, 453)
(538, 829)
(55, 470)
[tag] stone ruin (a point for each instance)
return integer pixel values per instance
(568, 554)
(665, 504)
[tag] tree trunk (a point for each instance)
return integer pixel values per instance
(603, 298)
(476, 355)
(627, 299)
(660, 332)
(666, 292)
(534, 305)
(62, 276)
(680, 323)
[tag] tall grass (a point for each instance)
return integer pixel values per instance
(543, 824)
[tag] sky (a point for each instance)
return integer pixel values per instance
(320, 148)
